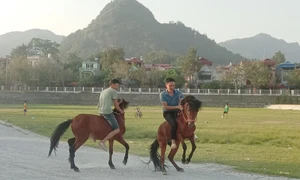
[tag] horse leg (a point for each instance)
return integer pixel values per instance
(192, 140)
(163, 146)
(111, 144)
(121, 140)
(171, 157)
(78, 142)
(183, 147)
(71, 143)
(184, 152)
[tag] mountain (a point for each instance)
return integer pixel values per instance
(11, 40)
(130, 25)
(263, 46)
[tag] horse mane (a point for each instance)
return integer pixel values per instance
(124, 104)
(194, 104)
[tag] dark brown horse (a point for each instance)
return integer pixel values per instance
(186, 127)
(88, 125)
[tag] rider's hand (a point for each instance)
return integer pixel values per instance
(122, 112)
(180, 107)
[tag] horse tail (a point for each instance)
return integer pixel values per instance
(154, 156)
(57, 133)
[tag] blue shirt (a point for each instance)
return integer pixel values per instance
(170, 100)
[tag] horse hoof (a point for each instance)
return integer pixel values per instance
(157, 169)
(164, 172)
(183, 161)
(125, 162)
(112, 167)
(180, 170)
(76, 169)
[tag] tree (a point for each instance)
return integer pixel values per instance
(111, 56)
(179, 79)
(212, 85)
(294, 78)
(73, 62)
(160, 57)
(139, 76)
(279, 57)
(235, 76)
(19, 71)
(48, 73)
(37, 47)
(190, 64)
(156, 78)
(121, 70)
(20, 51)
(257, 73)
(43, 47)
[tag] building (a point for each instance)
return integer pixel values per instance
(4, 62)
(161, 67)
(34, 60)
(269, 62)
(282, 71)
(135, 61)
(271, 65)
(90, 68)
(206, 73)
(138, 63)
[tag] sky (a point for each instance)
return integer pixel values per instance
(220, 20)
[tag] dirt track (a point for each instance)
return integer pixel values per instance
(23, 155)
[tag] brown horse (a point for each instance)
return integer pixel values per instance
(88, 125)
(186, 127)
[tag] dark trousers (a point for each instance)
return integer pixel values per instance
(171, 117)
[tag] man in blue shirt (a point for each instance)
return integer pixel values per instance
(170, 100)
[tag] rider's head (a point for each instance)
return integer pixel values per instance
(170, 84)
(115, 84)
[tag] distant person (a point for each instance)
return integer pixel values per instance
(226, 110)
(107, 99)
(25, 107)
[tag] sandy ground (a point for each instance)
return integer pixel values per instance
(23, 155)
(284, 107)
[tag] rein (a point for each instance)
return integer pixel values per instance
(117, 113)
(187, 121)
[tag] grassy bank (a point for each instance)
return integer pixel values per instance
(255, 140)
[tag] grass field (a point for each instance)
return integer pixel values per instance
(253, 140)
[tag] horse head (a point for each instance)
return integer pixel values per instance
(123, 104)
(191, 107)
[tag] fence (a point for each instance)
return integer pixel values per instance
(153, 90)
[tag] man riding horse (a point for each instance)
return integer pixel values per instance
(170, 100)
(110, 126)
(109, 97)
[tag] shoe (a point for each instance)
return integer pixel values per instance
(103, 146)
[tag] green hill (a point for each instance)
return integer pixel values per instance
(130, 25)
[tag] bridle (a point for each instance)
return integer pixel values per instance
(185, 119)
